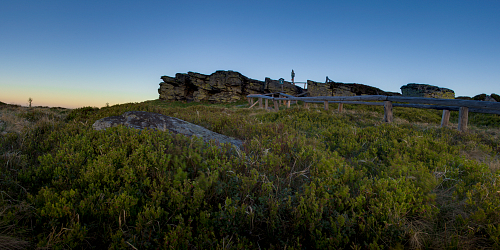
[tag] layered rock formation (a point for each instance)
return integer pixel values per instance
(343, 89)
(142, 120)
(231, 86)
(221, 86)
(425, 90)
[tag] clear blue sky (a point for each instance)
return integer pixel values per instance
(89, 53)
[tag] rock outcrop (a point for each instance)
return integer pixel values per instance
(231, 86)
(343, 89)
(142, 120)
(221, 86)
(487, 98)
(425, 90)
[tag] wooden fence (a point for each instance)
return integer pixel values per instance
(447, 105)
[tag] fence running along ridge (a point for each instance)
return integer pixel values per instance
(447, 105)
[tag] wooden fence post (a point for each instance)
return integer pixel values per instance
(446, 118)
(463, 116)
(260, 103)
(326, 105)
(249, 99)
(306, 105)
(276, 107)
(266, 105)
(340, 107)
(288, 103)
(388, 112)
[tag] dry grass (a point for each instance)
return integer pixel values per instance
(10, 234)
(17, 119)
(14, 118)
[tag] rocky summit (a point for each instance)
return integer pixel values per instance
(221, 86)
(425, 90)
(142, 120)
(231, 86)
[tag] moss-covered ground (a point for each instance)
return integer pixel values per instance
(305, 179)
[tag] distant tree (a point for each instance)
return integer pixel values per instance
(30, 100)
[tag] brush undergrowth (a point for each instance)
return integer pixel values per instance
(305, 179)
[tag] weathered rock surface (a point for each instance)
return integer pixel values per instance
(428, 91)
(231, 86)
(142, 120)
(221, 86)
(343, 89)
(486, 98)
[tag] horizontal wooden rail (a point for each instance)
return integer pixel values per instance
(418, 100)
(420, 106)
(447, 105)
(447, 102)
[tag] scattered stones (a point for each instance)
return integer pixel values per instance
(142, 120)
(425, 90)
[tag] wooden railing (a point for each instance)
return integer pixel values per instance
(447, 105)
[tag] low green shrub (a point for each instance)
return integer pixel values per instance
(304, 179)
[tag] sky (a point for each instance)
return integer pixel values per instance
(92, 53)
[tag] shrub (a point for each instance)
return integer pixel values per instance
(303, 179)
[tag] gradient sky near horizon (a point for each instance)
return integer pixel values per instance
(89, 53)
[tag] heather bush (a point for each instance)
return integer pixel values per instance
(304, 179)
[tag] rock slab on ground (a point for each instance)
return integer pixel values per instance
(142, 120)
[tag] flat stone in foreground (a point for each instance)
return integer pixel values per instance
(142, 120)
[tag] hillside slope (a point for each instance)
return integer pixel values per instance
(305, 179)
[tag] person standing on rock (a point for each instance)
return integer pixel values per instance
(293, 77)
(328, 80)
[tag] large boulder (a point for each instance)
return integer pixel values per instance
(142, 120)
(221, 86)
(428, 91)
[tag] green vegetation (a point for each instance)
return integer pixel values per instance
(305, 179)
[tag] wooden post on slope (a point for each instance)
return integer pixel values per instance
(446, 118)
(266, 105)
(463, 116)
(288, 103)
(276, 107)
(341, 105)
(388, 117)
(260, 103)
(326, 105)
